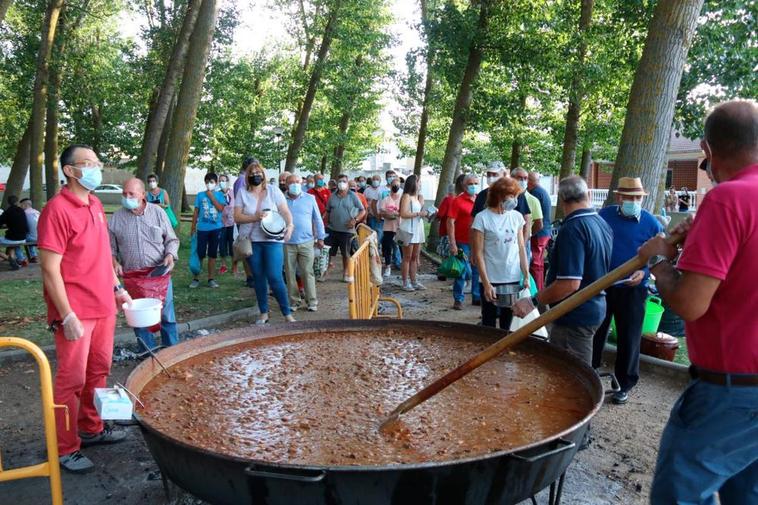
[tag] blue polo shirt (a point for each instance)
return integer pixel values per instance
(307, 219)
(540, 194)
(582, 251)
(629, 233)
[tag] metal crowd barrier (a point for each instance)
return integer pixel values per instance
(363, 296)
(51, 467)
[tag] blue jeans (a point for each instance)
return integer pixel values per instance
(710, 444)
(377, 225)
(470, 273)
(169, 333)
(267, 264)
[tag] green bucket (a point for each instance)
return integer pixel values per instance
(653, 314)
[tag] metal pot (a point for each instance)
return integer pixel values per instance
(507, 294)
(498, 478)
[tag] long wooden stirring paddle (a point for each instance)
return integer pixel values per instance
(521, 334)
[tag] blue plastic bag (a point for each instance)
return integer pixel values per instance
(194, 260)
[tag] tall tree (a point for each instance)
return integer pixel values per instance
(4, 4)
(19, 168)
(37, 138)
(576, 93)
(463, 101)
(301, 125)
(429, 82)
(156, 120)
(188, 101)
(647, 127)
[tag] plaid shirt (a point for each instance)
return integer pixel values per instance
(141, 241)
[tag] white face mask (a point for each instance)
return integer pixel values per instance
(342, 186)
(708, 168)
(152, 184)
(491, 180)
(522, 184)
(211, 186)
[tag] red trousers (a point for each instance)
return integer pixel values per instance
(82, 366)
(537, 267)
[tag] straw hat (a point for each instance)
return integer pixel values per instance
(631, 186)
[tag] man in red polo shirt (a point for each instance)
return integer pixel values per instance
(79, 287)
(321, 193)
(459, 220)
(710, 443)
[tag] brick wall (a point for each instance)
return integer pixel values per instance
(684, 174)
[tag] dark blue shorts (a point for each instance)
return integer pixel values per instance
(207, 243)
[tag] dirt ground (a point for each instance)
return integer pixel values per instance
(616, 469)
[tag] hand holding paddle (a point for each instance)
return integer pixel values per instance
(567, 305)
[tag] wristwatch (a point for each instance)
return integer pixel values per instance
(117, 288)
(656, 260)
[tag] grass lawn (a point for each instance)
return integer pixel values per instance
(23, 312)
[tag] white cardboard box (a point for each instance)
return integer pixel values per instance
(113, 404)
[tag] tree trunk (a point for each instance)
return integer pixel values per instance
(647, 126)
(39, 102)
(97, 128)
(515, 154)
(4, 4)
(188, 101)
(322, 165)
(156, 122)
(576, 94)
(516, 144)
(52, 175)
(20, 167)
(301, 124)
(420, 145)
(462, 105)
(339, 149)
(185, 201)
(163, 145)
(586, 163)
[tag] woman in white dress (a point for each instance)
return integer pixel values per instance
(498, 249)
(411, 225)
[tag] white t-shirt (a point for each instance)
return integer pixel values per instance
(371, 193)
(501, 251)
(246, 201)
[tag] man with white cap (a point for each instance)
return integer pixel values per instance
(625, 301)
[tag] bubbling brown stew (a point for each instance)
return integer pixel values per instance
(318, 399)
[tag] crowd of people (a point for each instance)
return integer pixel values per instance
(501, 233)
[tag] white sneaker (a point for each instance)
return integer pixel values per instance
(388, 271)
(408, 287)
(419, 287)
(467, 287)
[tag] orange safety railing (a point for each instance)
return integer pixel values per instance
(51, 467)
(363, 296)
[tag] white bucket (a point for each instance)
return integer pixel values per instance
(143, 312)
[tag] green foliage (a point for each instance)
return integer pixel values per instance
(722, 62)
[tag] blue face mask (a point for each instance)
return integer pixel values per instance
(295, 189)
(129, 203)
(320, 183)
(375, 183)
(91, 178)
(309, 185)
(631, 209)
(471, 189)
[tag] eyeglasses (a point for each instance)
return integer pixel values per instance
(90, 164)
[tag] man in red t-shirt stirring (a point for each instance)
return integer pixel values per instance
(81, 291)
(710, 443)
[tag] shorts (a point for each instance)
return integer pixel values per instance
(226, 242)
(207, 243)
(339, 240)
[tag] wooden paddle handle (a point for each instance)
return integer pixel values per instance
(518, 336)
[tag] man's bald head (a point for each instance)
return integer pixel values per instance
(294, 179)
(134, 185)
(731, 129)
(533, 180)
(283, 177)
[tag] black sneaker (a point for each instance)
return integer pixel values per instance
(620, 398)
(107, 436)
(76, 462)
(476, 303)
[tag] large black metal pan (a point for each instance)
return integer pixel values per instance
(501, 478)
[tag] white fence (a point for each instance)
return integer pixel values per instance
(598, 196)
